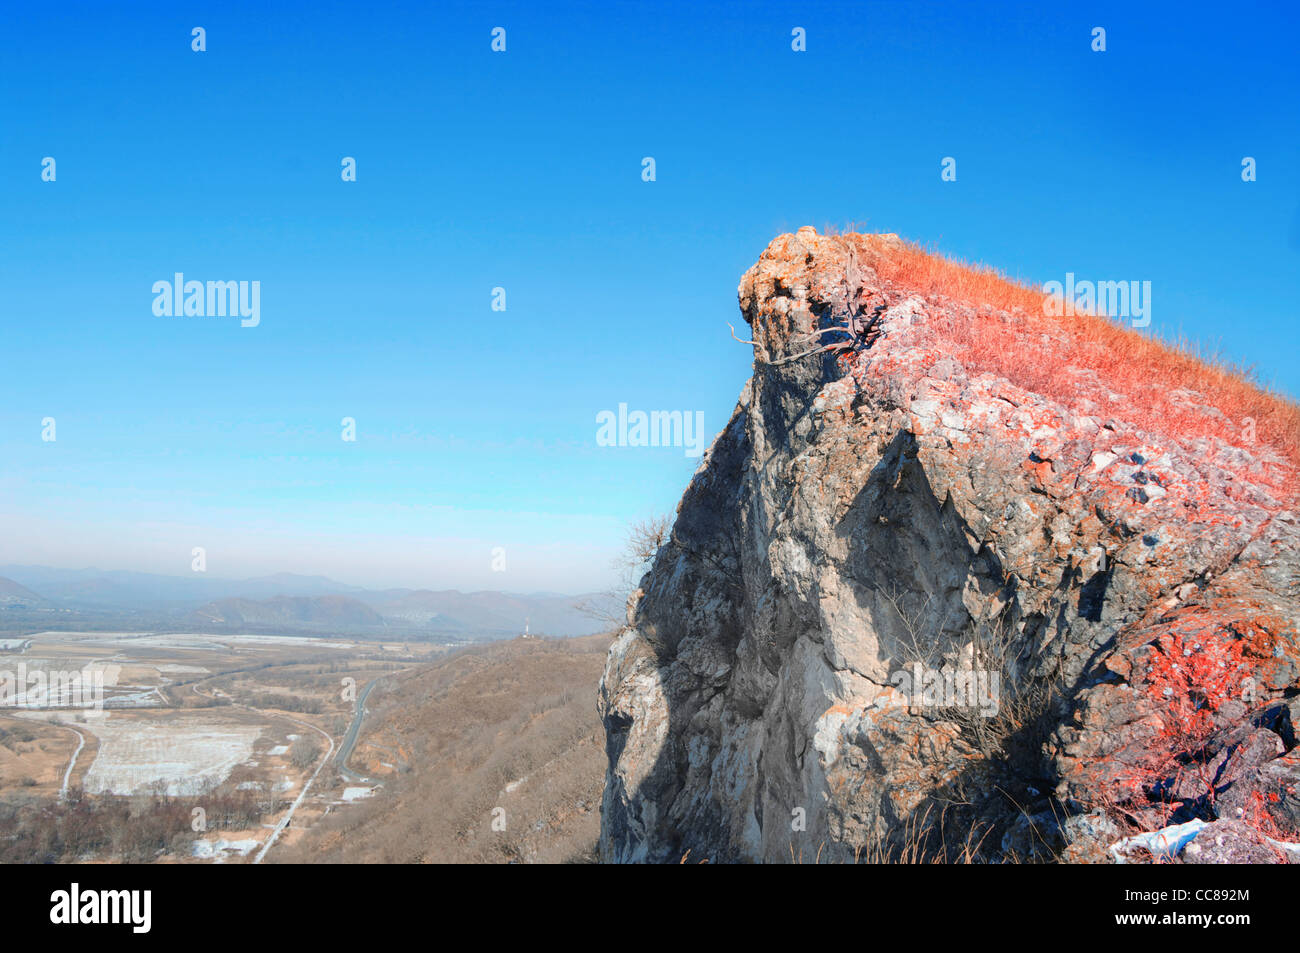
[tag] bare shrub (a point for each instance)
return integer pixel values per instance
(990, 649)
(644, 540)
(304, 752)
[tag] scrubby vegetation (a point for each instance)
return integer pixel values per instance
(280, 702)
(1183, 772)
(126, 829)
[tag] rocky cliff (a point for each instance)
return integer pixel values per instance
(962, 580)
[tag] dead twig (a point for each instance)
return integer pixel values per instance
(733, 333)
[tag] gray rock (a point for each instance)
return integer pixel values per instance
(856, 520)
(1230, 842)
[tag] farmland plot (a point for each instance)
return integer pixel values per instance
(187, 754)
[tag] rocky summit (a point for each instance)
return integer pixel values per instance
(962, 580)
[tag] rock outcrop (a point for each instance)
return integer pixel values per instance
(912, 607)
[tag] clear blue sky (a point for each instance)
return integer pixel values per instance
(522, 170)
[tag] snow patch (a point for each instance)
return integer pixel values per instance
(209, 849)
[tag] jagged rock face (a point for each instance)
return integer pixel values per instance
(881, 513)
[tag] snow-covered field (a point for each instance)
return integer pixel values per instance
(144, 698)
(203, 642)
(187, 754)
(57, 636)
(286, 640)
(199, 640)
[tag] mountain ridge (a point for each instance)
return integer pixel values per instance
(316, 603)
(13, 593)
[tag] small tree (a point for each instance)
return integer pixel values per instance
(644, 539)
(303, 753)
(643, 542)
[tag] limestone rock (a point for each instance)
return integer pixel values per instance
(878, 521)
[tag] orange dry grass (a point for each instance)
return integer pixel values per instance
(1134, 377)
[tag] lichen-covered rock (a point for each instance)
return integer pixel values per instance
(910, 607)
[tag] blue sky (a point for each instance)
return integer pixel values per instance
(522, 170)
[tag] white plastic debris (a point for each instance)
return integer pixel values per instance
(1166, 842)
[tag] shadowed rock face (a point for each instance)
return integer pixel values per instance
(879, 512)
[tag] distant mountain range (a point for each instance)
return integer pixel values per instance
(12, 594)
(96, 588)
(285, 601)
(288, 610)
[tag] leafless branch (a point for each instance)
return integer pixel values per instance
(837, 346)
(733, 334)
(819, 331)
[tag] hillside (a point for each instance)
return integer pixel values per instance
(963, 579)
(508, 727)
(12, 594)
(328, 611)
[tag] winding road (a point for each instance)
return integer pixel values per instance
(340, 761)
(350, 739)
(67, 775)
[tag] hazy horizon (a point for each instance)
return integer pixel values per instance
(393, 561)
(6, 567)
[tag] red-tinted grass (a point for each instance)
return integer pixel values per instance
(1134, 377)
